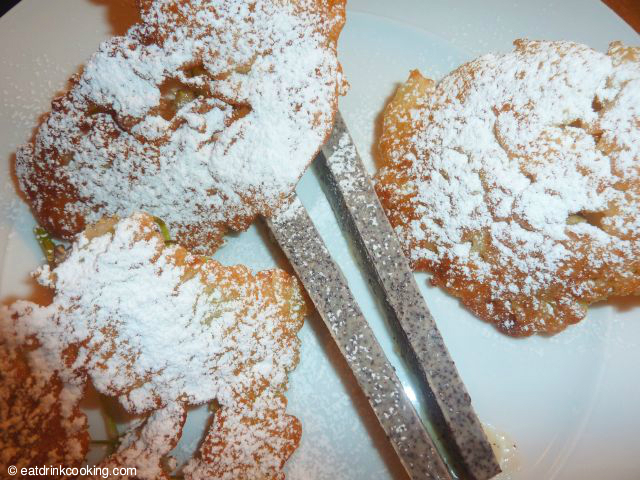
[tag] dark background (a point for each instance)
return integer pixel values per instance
(6, 5)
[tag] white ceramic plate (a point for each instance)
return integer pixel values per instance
(569, 402)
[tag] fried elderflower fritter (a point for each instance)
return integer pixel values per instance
(205, 114)
(161, 328)
(515, 181)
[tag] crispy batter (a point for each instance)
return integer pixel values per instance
(225, 453)
(205, 114)
(40, 420)
(515, 181)
(146, 447)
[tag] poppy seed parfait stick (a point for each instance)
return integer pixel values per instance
(324, 282)
(356, 204)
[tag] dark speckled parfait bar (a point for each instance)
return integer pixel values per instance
(326, 285)
(356, 204)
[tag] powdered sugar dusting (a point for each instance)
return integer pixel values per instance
(520, 172)
(252, 441)
(160, 328)
(341, 160)
(40, 418)
(205, 114)
(146, 446)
